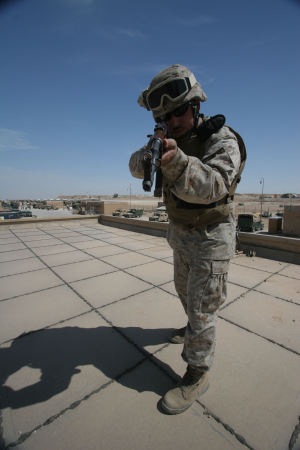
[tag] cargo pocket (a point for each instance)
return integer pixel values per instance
(215, 291)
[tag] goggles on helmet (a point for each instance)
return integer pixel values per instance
(173, 90)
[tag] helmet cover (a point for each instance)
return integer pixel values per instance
(167, 104)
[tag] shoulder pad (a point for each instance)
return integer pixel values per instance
(210, 126)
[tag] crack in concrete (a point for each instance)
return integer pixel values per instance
(227, 427)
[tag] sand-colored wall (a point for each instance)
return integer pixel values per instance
(105, 207)
(55, 203)
(291, 220)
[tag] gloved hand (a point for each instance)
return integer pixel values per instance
(169, 151)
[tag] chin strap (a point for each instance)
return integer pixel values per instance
(196, 114)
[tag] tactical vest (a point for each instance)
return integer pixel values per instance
(194, 214)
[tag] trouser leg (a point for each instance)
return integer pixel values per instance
(181, 273)
(206, 291)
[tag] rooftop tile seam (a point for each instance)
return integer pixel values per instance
(278, 298)
(139, 251)
(42, 238)
(227, 427)
(93, 276)
(110, 230)
(137, 293)
(255, 290)
(76, 292)
(273, 273)
(36, 237)
(149, 357)
(18, 259)
(112, 265)
(128, 297)
(239, 297)
(240, 438)
(91, 257)
(65, 282)
(72, 262)
(117, 268)
(124, 270)
(152, 358)
(255, 268)
(21, 273)
(145, 353)
(14, 249)
(39, 245)
(9, 243)
(24, 436)
(256, 287)
(286, 276)
(116, 244)
(29, 293)
(265, 279)
(51, 325)
(260, 335)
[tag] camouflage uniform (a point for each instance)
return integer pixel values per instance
(201, 252)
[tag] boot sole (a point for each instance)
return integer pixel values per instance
(179, 411)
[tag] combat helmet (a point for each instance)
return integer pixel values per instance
(169, 89)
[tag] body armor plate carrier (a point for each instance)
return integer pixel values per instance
(195, 214)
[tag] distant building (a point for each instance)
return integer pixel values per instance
(102, 207)
(55, 203)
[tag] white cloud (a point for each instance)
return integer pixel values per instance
(14, 140)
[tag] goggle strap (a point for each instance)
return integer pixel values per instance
(190, 82)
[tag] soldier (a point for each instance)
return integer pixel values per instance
(201, 164)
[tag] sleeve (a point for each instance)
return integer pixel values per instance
(208, 180)
(136, 163)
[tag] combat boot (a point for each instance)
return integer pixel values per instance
(192, 385)
(178, 336)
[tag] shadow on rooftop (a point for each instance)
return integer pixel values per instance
(58, 353)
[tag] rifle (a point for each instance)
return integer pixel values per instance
(152, 158)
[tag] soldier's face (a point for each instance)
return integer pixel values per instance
(178, 126)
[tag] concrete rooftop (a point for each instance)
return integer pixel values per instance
(85, 313)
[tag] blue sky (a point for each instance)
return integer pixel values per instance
(71, 72)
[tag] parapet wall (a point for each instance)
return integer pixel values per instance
(139, 226)
(24, 220)
(291, 220)
(280, 248)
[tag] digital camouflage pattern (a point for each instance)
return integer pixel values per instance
(201, 253)
(201, 181)
(202, 288)
(170, 73)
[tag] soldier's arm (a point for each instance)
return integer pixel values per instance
(209, 180)
(136, 163)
